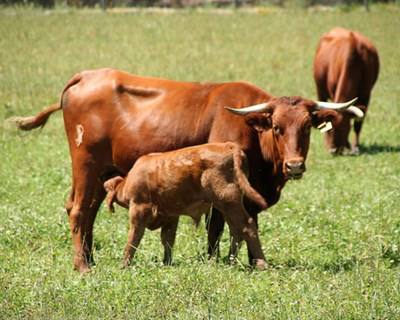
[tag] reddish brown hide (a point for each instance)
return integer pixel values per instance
(162, 186)
(112, 118)
(346, 65)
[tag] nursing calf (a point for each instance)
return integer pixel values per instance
(162, 186)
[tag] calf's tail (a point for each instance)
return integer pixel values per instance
(249, 191)
(39, 120)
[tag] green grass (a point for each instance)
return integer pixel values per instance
(333, 240)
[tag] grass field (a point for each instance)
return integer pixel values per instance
(333, 240)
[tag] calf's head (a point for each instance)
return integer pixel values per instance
(284, 127)
(112, 187)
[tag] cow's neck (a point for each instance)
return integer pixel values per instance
(273, 177)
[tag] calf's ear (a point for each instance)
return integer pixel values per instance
(111, 184)
(111, 188)
(259, 121)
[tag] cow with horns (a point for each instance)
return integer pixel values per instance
(346, 65)
(112, 118)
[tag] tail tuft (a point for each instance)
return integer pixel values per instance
(25, 123)
(32, 122)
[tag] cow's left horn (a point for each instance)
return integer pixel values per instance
(255, 108)
(334, 105)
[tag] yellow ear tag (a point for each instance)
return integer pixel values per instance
(325, 126)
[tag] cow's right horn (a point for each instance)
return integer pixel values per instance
(255, 108)
(356, 111)
(335, 105)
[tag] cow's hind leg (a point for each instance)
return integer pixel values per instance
(168, 234)
(215, 226)
(86, 197)
(98, 197)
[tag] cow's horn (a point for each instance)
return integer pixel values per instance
(334, 105)
(356, 111)
(255, 108)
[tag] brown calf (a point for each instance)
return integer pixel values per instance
(162, 186)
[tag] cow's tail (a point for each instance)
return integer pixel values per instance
(350, 74)
(244, 184)
(39, 120)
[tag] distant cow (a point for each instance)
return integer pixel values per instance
(112, 118)
(162, 186)
(346, 65)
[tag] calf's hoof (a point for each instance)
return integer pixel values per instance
(81, 265)
(82, 269)
(126, 264)
(260, 264)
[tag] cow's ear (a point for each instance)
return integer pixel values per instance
(259, 121)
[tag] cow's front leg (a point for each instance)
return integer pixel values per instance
(168, 234)
(355, 148)
(215, 226)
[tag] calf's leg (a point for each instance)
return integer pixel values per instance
(243, 226)
(168, 234)
(138, 216)
(252, 210)
(234, 247)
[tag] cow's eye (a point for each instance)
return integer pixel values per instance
(276, 129)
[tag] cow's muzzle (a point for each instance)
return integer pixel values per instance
(295, 168)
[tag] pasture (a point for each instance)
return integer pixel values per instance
(333, 240)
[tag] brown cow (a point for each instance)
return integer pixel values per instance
(346, 65)
(112, 118)
(162, 186)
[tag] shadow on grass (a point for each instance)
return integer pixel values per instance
(378, 148)
(391, 253)
(334, 266)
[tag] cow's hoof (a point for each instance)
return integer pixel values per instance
(355, 151)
